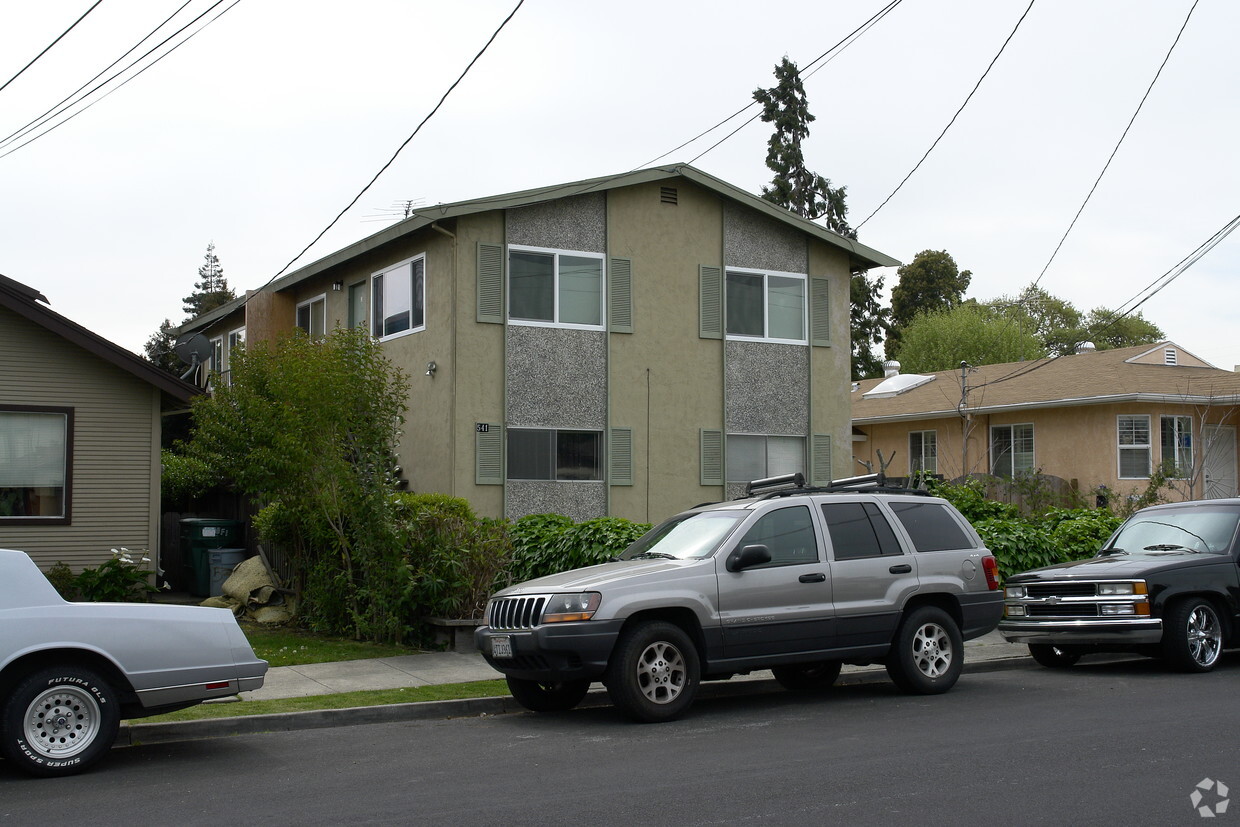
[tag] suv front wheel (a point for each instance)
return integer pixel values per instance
(927, 655)
(654, 672)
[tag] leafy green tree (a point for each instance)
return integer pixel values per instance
(211, 290)
(971, 333)
(868, 319)
(159, 349)
(1107, 330)
(794, 186)
(310, 428)
(931, 281)
(1054, 322)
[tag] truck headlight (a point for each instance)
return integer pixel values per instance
(1114, 588)
(1014, 592)
(562, 608)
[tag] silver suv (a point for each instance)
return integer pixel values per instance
(793, 579)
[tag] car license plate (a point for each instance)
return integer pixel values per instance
(501, 646)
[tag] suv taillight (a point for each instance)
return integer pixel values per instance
(991, 566)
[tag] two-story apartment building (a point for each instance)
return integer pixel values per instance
(630, 345)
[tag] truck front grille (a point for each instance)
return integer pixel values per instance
(1062, 590)
(517, 612)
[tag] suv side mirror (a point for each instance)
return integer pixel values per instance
(747, 557)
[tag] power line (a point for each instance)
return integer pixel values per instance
(127, 68)
(838, 47)
(1117, 145)
(55, 109)
(399, 149)
(50, 45)
(976, 86)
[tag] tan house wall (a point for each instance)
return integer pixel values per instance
(115, 463)
(831, 367)
(665, 382)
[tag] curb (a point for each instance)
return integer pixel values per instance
(137, 734)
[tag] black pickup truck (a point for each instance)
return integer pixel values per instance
(1165, 585)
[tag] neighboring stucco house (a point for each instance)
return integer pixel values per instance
(1097, 418)
(629, 346)
(79, 437)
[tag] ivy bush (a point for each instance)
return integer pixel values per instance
(550, 543)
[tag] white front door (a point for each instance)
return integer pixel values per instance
(1219, 462)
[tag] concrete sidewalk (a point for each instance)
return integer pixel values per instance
(987, 653)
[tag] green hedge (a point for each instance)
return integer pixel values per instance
(549, 543)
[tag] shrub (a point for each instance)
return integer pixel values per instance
(184, 477)
(550, 543)
(533, 538)
(63, 580)
(119, 580)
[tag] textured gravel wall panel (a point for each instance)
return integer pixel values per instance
(579, 500)
(577, 223)
(768, 390)
(557, 378)
(753, 241)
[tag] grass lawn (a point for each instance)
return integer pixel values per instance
(286, 646)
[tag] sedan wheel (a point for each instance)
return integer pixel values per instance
(59, 721)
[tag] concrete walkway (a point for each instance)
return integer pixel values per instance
(456, 667)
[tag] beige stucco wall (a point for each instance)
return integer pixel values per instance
(115, 462)
(665, 382)
(831, 367)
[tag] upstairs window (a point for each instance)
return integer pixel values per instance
(766, 306)
(555, 287)
(357, 305)
(35, 464)
(400, 298)
(1011, 450)
(1133, 433)
(312, 317)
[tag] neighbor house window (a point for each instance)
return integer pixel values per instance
(754, 457)
(215, 362)
(237, 337)
(1177, 444)
(550, 454)
(767, 306)
(923, 452)
(357, 305)
(1134, 446)
(35, 460)
(559, 287)
(312, 317)
(1011, 450)
(400, 298)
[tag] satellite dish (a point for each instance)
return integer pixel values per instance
(194, 350)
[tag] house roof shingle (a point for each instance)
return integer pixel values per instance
(1130, 374)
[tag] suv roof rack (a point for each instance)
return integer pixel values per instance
(787, 485)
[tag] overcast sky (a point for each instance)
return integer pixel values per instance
(257, 131)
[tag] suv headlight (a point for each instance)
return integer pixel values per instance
(562, 608)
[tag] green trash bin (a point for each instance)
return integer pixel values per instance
(201, 535)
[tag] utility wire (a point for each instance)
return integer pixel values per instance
(55, 110)
(838, 47)
(976, 86)
(50, 45)
(1117, 145)
(399, 149)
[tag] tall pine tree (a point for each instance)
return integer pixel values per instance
(211, 290)
(811, 196)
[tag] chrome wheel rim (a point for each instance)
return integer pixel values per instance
(661, 672)
(932, 650)
(1205, 637)
(62, 722)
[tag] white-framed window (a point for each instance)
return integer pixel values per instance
(554, 454)
(235, 338)
(312, 316)
(1177, 444)
(35, 465)
(1133, 437)
(555, 287)
(357, 305)
(399, 298)
(766, 306)
(1011, 449)
(758, 456)
(215, 362)
(923, 452)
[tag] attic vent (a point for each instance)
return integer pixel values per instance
(668, 195)
(1170, 357)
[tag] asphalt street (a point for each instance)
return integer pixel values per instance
(1108, 742)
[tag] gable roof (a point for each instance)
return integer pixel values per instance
(29, 303)
(1129, 374)
(859, 254)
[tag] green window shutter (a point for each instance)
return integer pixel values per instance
(489, 454)
(620, 295)
(710, 303)
(491, 283)
(712, 456)
(620, 457)
(819, 311)
(821, 460)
